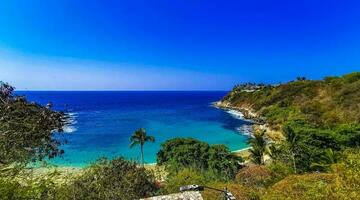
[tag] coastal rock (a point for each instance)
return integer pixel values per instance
(245, 110)
(250, 114)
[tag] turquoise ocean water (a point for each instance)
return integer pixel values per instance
(102, 122)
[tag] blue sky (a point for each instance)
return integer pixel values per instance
(174, 45)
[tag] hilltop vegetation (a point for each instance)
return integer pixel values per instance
(324, 114)
(328, 103)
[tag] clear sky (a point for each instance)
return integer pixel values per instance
(174, 45)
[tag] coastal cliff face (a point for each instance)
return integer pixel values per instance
(249, 113)
(328, 102)
(246, 110)
(327, 105)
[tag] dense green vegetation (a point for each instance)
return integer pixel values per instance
(27, 129)
(115, 179)
(324, 104)
(320, 124)
(317, 157)
(105, 179)
(317, 118)
(181, 153)
(259, 148)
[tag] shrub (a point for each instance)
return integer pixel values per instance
(279, 171)
(254, 175)
(184, 177)
(115, 179)
(26, 186)
(307, 186)
(349, 171)
(350, 78)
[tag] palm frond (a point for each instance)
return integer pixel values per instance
(134, 143)
(140, 137)
(150, 138)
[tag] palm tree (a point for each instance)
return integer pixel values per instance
(139, 137)
(258, 147)
(292, 141)
(326, 159)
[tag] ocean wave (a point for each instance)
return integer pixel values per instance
(72, 114)
(236, 114)
(245, 130)
(71, 122)
(69, 129)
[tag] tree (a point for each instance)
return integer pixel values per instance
(280, 154)
(292, 141)
(27, 129)
(301, 78)
(181, 153)
(325, 160)
(139, 137)
(258, 147)
(222, 162)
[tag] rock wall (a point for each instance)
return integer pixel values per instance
(179, 196)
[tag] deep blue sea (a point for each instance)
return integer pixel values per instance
(102, 122)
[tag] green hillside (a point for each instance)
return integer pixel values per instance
(329, 102)
(328, 107)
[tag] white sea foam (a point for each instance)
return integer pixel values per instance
(245, 130)
(73, 114)
(236, 114)
(72, 121)
(69, 129)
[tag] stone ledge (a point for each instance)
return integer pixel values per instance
(194, 195)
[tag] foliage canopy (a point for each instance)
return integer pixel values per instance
(179, 153)
(27, 129)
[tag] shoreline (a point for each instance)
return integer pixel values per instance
(247, 113)
(259, 123)
(241, 150)
(75, 168)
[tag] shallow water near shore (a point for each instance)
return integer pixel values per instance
(102, 122)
